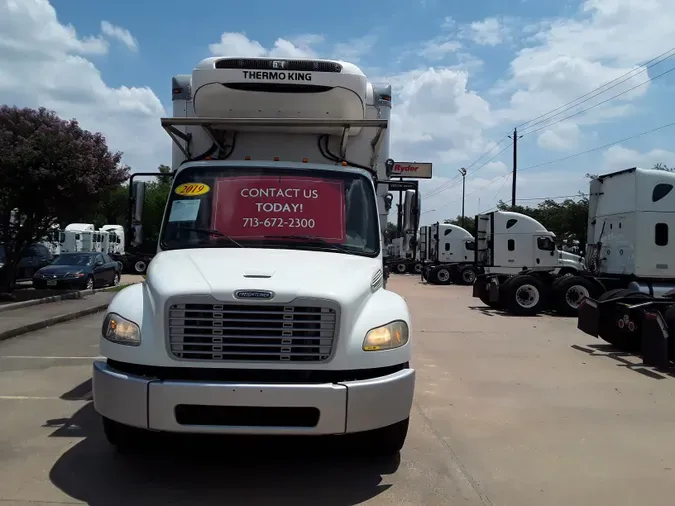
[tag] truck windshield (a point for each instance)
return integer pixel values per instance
(255, 207)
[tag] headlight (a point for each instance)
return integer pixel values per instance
(120, 330)
(389, 336)
(75, 275)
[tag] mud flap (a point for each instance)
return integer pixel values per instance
(493, 292)
(654, 340)
(588, 320)
(476, 289)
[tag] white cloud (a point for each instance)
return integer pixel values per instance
(238, 44)
(560, 137)
(30, 36)
(119, 33)
(567, 58)
(619, 157)
(354, 49)
(489, 32)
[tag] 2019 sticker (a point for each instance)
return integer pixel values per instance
(192, 189)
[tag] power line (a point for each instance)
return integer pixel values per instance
(596, 105)
(640, 68)
(599, 147)
(567, 158)
(441, 190)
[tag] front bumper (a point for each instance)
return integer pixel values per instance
(344, 407)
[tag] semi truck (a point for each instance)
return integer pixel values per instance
(630, 291)
(264, 311)
(525, 272)
(449, 255)
(405, 257)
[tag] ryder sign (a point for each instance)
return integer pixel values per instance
(265, 206)
(412, 170)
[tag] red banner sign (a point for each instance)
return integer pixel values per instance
(256, 206)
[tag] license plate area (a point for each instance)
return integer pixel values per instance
(246, 416)
(51, 282)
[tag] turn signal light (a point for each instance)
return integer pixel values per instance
(344, 164)
(305, 160)
(247, 158)
(276, 158)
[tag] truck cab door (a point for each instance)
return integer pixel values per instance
(545, 253)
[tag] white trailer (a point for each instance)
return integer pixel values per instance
(449, 255)
(523, 266)
(264, 310)
(630, 292)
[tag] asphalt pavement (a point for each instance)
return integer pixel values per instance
(508, 411)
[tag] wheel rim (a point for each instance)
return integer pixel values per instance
(575, 294)
(443, 275)
(469, 276)
(116, 280)
(140, 266)
(90, 283)
(418, 268)
(527, 296)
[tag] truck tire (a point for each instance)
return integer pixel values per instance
(467, 275)
(418, 268)
(125, 439)
(441, 275)
(401, 268)
(387, 441)
(140, 266)
(525, 295)
(568, 293)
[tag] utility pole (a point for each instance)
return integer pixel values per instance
(462, 171)
(515, 165)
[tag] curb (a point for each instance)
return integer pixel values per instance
(7, 334)
(54, 298)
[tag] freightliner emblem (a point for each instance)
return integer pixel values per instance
(253, 294)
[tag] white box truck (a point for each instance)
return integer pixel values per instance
(264, 310)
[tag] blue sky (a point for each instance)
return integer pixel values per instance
(464, 73)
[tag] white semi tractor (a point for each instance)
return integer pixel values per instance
(630, 290)
(448, 254)
(264, 310)
(525, 272)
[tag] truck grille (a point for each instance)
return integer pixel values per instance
(258, 332)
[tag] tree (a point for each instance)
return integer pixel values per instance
(567, 219)
(50, 169)
(468, 223)
(389, 232)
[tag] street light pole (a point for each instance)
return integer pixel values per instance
(462, 171)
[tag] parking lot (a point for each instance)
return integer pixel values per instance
(508, 411)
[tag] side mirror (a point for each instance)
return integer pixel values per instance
(389, 167)
(99, 263)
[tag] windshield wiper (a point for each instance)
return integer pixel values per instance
(314, 239)
(212, 232)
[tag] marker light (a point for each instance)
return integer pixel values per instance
(305, 160)
(344, 164)
(121, 331)
(388, 337)
(247, 158)
(276, 158)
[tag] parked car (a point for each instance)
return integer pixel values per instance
(33, 258)
(79, 270)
